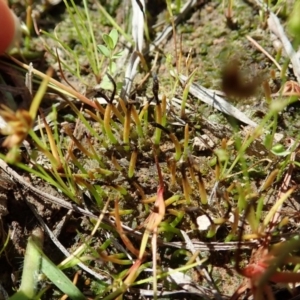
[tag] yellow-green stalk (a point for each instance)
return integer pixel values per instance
(40, 94)
(107, 127)
(6, 242)
(144, 114)
(115, 163)
(122, 212)
(191, 170)
(132, 163)
(123, 191)
(95, 153)
(126, 129)
(120, 231)
(100, 108)
(149, 200)
(269, 181)
(275, 207)
(137, 122)
(212, 230)
(166, 274)
(186, 142)
(172, 199)
(164, 110)
(186, 187)
(184, 99)
(29, 26)
(202, 191)
(176, 145)
(103, 171)
(44, 149)
(122, 104)
(267, 91)
(117, 114)
(172, 168)
(252, 220)
(53, 145)
(81, 147)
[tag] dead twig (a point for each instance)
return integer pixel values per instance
(266, 53)
(277, 29)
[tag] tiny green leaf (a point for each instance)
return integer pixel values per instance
(106, 83)
(108, 41)
(279, 150)
(118, 54)
(104, 51)
(69, 118)
(222, 154)
(212, 230)
(114, 37)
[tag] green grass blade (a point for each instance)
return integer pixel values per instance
(59, 279)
